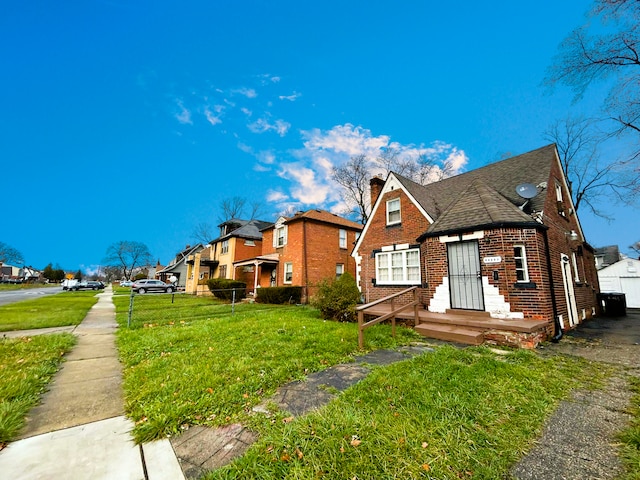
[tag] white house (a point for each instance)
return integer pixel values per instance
(622, 277)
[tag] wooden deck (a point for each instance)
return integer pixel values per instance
(468, 326)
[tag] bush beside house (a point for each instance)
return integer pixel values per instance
(279, 295)
(224, 289)
(337, 300)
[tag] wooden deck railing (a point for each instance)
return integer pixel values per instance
(392, 315)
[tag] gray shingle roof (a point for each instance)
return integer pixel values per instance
(492, 199)
(479, 206)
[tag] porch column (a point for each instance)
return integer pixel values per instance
(255, 277)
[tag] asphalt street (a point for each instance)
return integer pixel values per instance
(13, 296)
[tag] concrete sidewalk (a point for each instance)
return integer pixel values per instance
(79, 430)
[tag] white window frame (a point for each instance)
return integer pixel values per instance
(277, 237)
(396, 261)
(339, 269)
(224, 247)
(525, 266)
(288, 269)
(574, 260)
(392, 210)
(342, 235)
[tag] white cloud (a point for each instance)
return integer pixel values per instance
(246, 92)
(183, 115)
(310, 176)
(211, 117)
(292, 98)
(262, 125)
(308, 190)
(246, 111)
(277, 196)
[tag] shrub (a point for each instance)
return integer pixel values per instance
(223, 288)
(279, 295)
(337, 300)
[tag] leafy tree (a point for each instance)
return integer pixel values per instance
(53, 274)
(10, 255)
(592, 179)
(127, 256)
(605, 50)
(78, 275)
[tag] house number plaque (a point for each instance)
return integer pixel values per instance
(490, 260)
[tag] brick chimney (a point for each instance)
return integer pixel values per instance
(376, 184)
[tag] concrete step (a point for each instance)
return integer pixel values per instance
(450, 333)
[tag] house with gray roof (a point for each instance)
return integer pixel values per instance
(496, 255)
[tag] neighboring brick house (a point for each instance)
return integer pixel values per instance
(304, 249)
(503, 239)
(238, 240)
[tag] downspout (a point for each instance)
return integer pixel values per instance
(304, 255)
(556, 320)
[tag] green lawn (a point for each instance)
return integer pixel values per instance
(193, 362)
(26, 366)
(450, 414)
(630, 437)
(66, 308)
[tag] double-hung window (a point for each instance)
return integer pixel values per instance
(225, 247)
(280, 236)
(339, 270)
(343, 238)
(520, 258)
(393, 211)
(398, 267)
(288, 272)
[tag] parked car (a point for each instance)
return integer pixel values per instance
(87, 286)
(149, 285)
(126, 283)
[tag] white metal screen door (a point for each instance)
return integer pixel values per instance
(465, 279)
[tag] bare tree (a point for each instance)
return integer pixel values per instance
(231, 208)
(353, 177)
(127, 256)
(10, 255)
(635, 247)
(610, 53)
(202, 233)
(591, 179)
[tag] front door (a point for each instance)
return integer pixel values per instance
(465, 279)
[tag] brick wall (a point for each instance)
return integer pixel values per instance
(413, 224)
(314, 250)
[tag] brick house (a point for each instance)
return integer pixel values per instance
(238, 241)
(304, 249)
(497, 253)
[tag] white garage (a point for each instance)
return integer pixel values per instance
(622, 277)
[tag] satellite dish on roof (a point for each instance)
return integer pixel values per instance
(527, 190)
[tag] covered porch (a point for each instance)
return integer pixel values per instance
(263, 266)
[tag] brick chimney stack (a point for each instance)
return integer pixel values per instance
(376, 184)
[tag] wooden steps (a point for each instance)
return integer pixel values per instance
(450, 333)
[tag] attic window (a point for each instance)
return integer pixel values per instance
(393, 211)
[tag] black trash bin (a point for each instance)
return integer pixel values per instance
(613, 304)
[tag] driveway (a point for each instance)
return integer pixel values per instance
(605, 339)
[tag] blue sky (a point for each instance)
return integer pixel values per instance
(133, 120)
